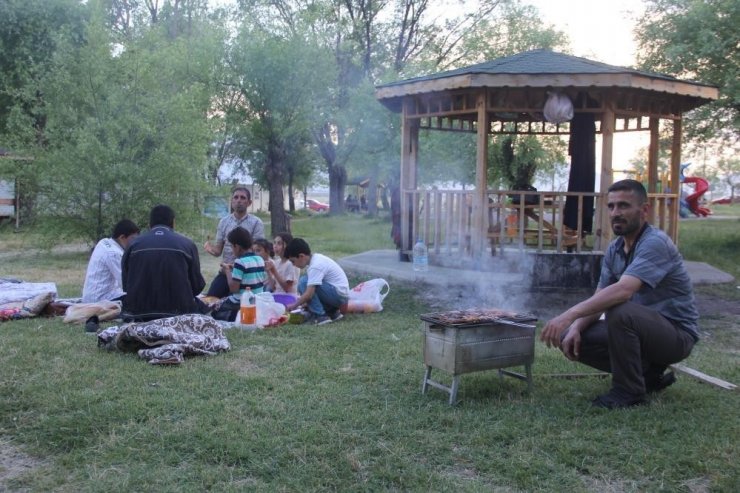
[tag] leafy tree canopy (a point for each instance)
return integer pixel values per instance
(697, 39)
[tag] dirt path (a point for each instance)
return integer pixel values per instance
(14, 463)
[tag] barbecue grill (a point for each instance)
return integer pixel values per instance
(465, 341)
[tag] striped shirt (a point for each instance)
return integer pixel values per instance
(249, 270)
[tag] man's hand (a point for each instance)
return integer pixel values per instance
(207, 245)
(571, 344)
(554, 329)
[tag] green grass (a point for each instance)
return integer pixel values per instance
(339, 408)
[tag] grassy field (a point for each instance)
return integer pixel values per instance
(339, 408)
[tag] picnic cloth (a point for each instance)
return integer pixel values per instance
(167, 341)
(20, 299)
(13, 291)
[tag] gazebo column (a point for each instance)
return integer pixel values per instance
(653, 152)
(675, 180)
(607, 176)
(408, 178)
(480, 199)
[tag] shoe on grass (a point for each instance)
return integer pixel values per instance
(92, 324)
(313, 319)
(618, 400)
(660, 383)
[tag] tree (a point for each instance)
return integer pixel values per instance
(126, 130)
(29, 34)
(278, 81)
(729, 170)
(697, 39)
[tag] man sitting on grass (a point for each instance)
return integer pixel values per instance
(161, 272)
(646, 293)
(323, 288)
(103, 277)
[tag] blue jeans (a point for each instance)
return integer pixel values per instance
(325, 298)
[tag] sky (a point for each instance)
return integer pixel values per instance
(601, 30)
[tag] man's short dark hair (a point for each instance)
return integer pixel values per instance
(125, 227)
(162, 214)
(244, 189)
(240, 236)
(630, 186)
(296, 247)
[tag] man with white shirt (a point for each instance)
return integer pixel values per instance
(103, 277)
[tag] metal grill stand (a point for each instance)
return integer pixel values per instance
(470, 348)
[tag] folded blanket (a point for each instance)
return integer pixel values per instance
(167, 340)
(26, 308)
(12, 291)
(80, 312)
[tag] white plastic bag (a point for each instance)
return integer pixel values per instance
(269, 313)
(368, 296)
(558, 108)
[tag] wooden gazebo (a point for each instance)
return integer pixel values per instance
(507, 96)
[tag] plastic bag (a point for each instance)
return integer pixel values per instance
(558, 108)
(269, 313)
(367, 297)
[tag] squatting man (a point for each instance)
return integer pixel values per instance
(646, 296)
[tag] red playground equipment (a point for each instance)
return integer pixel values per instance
(700, 188)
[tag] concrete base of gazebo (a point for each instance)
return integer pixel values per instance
(534, 270)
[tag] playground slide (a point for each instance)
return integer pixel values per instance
(700, 188)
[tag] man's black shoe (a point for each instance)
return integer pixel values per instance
(662, 382)
(617, 400)
(92, 324)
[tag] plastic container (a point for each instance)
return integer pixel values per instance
(284, 298)
(420, 256)
(248, 309)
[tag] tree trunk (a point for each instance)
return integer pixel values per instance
(337, 172)
(372, 194)
(275, 173)
(337, 183)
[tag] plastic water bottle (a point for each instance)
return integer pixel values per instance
(420, 256)
(248, 309)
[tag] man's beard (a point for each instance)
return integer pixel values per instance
(622, 227)
(241, 209)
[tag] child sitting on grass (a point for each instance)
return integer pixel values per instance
(281, 270)
(324, 286)
(263, 248)
(248, 271)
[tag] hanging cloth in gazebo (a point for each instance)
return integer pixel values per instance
(582, 150)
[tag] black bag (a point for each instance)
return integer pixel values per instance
(226, 311)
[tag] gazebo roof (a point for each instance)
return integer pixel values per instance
(546, 69)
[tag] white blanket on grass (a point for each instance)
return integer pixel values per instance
(12, 291)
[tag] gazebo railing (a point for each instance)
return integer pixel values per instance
(443, 219)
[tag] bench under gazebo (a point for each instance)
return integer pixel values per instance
(507, 96)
